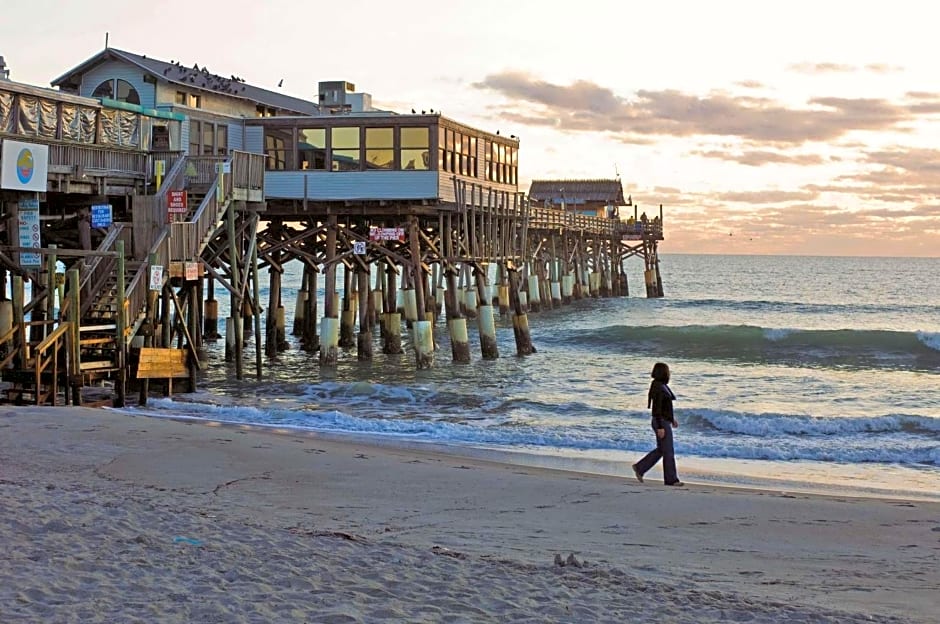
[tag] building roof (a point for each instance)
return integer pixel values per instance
(578, 191)
(193, 77)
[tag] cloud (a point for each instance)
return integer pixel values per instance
(843, 68)
(822, 68)
(757, 158)
(767, 197)
(584, 106)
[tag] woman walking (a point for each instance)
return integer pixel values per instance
(660, 399)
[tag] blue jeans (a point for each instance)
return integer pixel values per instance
(664, 450)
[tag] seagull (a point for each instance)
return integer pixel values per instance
(280, 82)
(412, 111)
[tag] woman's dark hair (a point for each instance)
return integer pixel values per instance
(660, 372)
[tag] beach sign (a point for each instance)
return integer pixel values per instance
(29, 232)
(24, 166)
(101, 216)
(156, 277)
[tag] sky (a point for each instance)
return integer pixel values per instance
(764, 127)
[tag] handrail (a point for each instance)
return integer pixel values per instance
(42, 360)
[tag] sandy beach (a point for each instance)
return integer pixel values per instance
(108, 517)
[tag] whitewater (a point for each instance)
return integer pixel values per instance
(797, 373)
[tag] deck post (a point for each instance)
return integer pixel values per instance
(422, 335)
(210, 330)
(391, 342)
(329, 326)
(120, 338)
(75, 317)
(348, 316)
(486, 321)
(364, 339)
(520, 321)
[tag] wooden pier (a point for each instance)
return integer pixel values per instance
(411, 221)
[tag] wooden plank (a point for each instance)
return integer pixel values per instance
(159, 363)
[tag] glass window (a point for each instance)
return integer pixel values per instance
(221, 139)
(180, 98)
(311, 147)
(344, 148)
(275, 148)
(208, 139)
(195, 101)
(127, 93)
(415, 150)
(104, 90)
(379, 148)
(195, 133)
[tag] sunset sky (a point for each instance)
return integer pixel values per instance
(762, 127)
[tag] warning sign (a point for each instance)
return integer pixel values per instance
(387, 234)
(176, 202)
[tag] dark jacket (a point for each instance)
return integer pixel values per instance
(660, 401)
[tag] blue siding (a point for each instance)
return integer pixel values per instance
(236, 136)
(351, 185)
(115, 69)
(254, 139)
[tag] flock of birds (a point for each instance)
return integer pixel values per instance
(201, 77)
(233, 85)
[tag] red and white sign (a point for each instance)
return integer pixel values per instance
(191, 271)
(176, 202)
(387, 234)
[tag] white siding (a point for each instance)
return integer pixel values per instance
(254, 139)
(184, 135)
(351, 185)
(115, 69)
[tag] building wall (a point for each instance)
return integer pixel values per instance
(124, 71)
(254, 139)
(352, 185)
(210, 102)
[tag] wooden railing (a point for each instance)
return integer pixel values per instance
(97, 159)
(47, 354)
(248, 170)
(202, 169)
(150, 211)
(98, 268)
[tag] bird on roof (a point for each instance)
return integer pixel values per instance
(195, 66)
(280, 82)
(497, 133)
(412, 111)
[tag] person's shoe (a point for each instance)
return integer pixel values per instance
(676, 484)
(639, 475)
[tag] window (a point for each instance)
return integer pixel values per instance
(415, 148)
(221, 139)
(104, 90)
(275, 148)
(180, 98)
(127, 93)
(195, 101)
(344, 147)
(195, 133)
(117, 89)
(208, 139)
(501, 163)
(311, 148)
(380, 152)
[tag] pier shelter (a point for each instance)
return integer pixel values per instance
(156, 186)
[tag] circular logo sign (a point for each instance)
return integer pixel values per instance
(24, 165)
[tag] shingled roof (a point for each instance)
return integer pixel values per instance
(577, 191)
(193, 77)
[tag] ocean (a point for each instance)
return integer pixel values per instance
(797, 374)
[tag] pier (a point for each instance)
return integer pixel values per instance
(140, 192)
